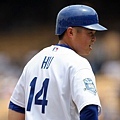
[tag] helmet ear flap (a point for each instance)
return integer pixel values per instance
(77, 15)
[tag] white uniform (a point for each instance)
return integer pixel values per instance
(55, 85)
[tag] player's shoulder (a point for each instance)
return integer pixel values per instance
(69, 56)
(79, 61)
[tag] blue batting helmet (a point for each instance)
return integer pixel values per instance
(77, 15)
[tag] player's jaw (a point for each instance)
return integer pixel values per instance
(84, 46)
(83, 50)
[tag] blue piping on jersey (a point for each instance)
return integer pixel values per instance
(90, 112)
(16, 108)
(64, 45)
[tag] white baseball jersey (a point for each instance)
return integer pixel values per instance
(56, 84)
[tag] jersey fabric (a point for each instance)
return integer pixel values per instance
(89, 112)
(56, 84)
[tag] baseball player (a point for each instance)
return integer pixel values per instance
(58, 82)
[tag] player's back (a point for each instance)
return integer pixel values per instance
(48, 78)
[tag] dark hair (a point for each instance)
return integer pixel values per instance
(61, 36)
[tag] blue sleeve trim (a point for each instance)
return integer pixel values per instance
(89, 112)
(16, 108)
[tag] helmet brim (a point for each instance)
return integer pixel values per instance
(96, 27)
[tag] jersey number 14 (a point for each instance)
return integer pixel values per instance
(43, 91)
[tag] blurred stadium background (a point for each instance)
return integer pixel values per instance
(27, 26)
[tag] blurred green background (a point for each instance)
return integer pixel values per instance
(27, 26)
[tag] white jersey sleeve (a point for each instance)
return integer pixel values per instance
(83, 89)
(18, 95)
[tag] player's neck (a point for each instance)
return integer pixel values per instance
(62, 42)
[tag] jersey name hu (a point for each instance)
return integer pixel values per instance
(46, 62)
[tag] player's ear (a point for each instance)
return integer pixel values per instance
(69, 31)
